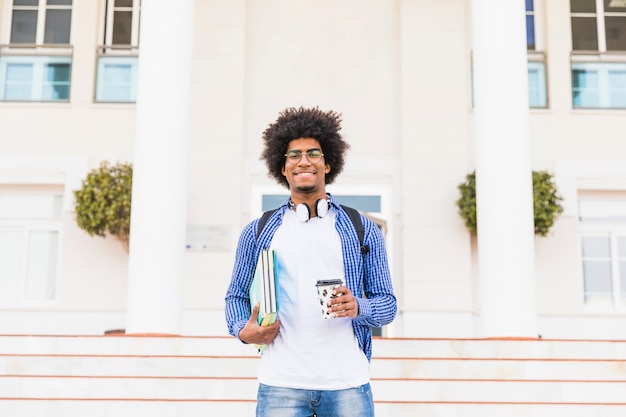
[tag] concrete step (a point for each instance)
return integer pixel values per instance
(246, 366)
(118, 376)
(383, 347)
(116, 408)
(240, 389)
(112, 408)
(500, 369)
(129, 366)
(125, 345)
(500, 349)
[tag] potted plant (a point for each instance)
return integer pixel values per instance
(103, 202)
(546, 202)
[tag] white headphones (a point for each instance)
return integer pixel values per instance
(303, 212)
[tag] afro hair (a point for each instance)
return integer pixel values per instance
(299, 123)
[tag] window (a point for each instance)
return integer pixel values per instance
(537, 86)
(530, 25)
(39, 22)
(537, 81)
(598, 72)
(122, 23)
(363, 203)
(29, 245)
(117, 79)
(598, 25)
(603, 245)
(35, 78)
(599, 85)
(117, 63)
(36, 64)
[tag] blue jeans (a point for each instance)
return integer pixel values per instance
(288, 402)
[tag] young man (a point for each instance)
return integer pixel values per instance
(312, 366)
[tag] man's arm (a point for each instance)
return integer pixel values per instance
(237, 309)
(379, 307)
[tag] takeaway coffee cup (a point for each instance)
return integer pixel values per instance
(325, 289)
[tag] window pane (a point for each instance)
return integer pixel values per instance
(530, 32)
(41, 265)
(19, 72)
(614, 6)
(59, 2)
(366, 203)
(537, 89)
(17, 84)
(602, 210)
(621, 244)
(117, 79)
(25, 2)
(24, 26)
(596, 247)
(615, 33)
(597, 275)
(622, 279)
(122, 27)
(585, 88)
(56, 85)
(11, 244)
(621, 249)
(584, 34)
(117, 73)
(529, 5)
(20, 206)
(58, 26)
(55, 92)
(123, 3)
(58, 73)
(617, 86)
(583, 6)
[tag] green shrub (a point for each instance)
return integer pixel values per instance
(103, 201)
(546, 202)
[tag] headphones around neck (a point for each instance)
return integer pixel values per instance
(303, 212)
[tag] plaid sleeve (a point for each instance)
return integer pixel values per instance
(237, 299)
(379, 305)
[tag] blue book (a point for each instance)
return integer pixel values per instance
(264, 289)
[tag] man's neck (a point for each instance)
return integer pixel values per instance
(297, 198)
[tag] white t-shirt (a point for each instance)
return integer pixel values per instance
(310, 352)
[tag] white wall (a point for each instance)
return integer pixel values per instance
(399, 71)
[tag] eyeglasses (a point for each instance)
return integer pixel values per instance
(313, 155)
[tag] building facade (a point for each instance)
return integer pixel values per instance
(183, 90)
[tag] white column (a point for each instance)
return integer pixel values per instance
(159, 200)
(503, 171)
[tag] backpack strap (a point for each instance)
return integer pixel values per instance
(353, 214)
(266, 215)
(355, 218)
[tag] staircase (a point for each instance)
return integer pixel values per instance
(123, 376)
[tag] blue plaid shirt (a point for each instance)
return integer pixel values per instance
(367, 276)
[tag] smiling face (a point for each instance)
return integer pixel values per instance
(307, 179)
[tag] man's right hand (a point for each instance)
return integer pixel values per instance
(252, 332)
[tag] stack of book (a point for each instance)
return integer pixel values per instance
(264, 289)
